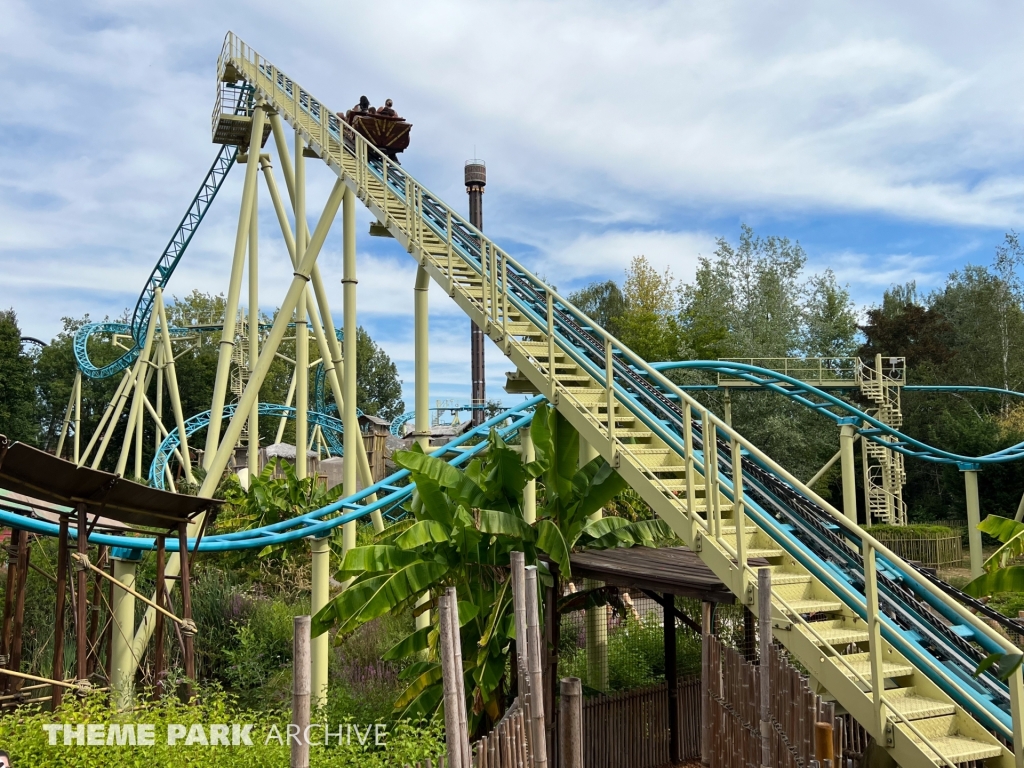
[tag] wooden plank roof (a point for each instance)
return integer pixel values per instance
(667, 570)
(39, 475)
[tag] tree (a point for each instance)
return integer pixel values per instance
(17, 395)
(648, 325)
(378, 388)
(829, 321)
(706, 312)
(603, 303)
(903, 328)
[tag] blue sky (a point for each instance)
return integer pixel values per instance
(888, 140)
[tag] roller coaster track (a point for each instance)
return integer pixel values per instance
(391, 493)
(827, 404)
(861, 639)
(158, 278)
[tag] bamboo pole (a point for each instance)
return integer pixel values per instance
(460, 675)
(449, 673)
(570, 724)
(764, 616)
(535, 658)
(300, 692)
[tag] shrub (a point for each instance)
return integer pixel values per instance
(22, 734)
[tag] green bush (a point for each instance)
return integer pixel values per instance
(23, 735)
(636, 653)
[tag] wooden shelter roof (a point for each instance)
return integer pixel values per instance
(30, 472)
(666, 570)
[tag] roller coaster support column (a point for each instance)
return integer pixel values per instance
(973, 518)
(122, 667)
(597, 617)
(158, 412)
(142, 379)
(421, 336)
(330, 348)
(227, 339)
(421, 311)
(253, 448)
(113, 405)
(301, 327)
(1020, 510)
(172, 386)
(73, 411)
(847, 435)
(530, 490)
(320, 645)
(727, 405)
(256, 377)
(352, 436)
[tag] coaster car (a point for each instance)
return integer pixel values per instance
(388, 134)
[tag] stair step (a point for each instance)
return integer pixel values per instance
(942, 732)
(912, 705)
(833, 632)
(806, 606)
(780, 578)
(861, 662)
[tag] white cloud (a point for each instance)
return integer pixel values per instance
(609, 131)
(610, 253)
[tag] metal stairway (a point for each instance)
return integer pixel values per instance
(884, 475)
(841, 601)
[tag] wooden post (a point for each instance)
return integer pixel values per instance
(764, 615)
(24, 558)
(570, 723)
(539, 743)
(448, 675)
(158, 624)
(672, 678)
(301, 688)
(12, 588)
(188, 629)
(94, 610)
(57, 672)
(81, 598)
(460, 675)
(706, 631)
(823, 747)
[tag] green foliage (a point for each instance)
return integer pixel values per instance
(17, 396)
(636, 652)
(378, 388)
(23, 736)
(999, 575)
(603, 303)
(262, 646)
(270, 500)
(648, 324)
(466, 524)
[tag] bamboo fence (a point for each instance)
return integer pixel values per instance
(794, 712)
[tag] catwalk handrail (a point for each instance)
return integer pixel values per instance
(792, 388)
